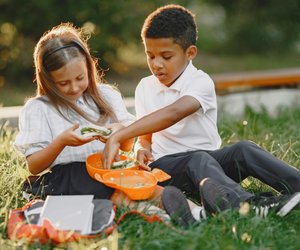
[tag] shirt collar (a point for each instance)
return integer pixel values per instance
(80, 100)
(190, 68)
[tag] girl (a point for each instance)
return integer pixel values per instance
(69, 95)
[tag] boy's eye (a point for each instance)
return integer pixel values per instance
(167, 57)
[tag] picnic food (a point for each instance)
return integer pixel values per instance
(128, 163)
(94, 164)
(94, 130)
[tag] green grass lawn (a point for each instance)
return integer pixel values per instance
(227, 230)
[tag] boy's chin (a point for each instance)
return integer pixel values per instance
(165, 82)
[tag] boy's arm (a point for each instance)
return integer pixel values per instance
(143, 150)
(155, 121)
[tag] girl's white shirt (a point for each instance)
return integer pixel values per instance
(40, 123)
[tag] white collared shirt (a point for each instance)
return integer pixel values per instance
(194, 132)
(40, 123)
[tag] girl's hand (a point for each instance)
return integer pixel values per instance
(70, 138)
(144, 157)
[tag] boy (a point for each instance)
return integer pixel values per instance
(177, 126)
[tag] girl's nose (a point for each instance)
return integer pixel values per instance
(73, 88)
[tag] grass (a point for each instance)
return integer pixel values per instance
(227, 230)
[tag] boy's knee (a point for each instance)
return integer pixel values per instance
(245, 145)
(199, 156)
(198, 159)
(244, 148)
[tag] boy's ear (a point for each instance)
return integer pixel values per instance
(191, 52)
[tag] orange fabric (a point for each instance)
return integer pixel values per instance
(18, 228)
(148, 218)
(119, 198)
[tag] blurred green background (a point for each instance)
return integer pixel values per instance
(237, 35)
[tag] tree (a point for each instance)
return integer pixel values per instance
(260, 26)
(114, 23)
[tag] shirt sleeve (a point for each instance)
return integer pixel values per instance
(203, 90)
(34, 132)
(139, 102)
(116, 101)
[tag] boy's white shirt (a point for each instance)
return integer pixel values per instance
(40, 123)
(199, 130)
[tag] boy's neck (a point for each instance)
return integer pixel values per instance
(179, 74)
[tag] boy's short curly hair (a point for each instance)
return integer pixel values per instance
(171, 21)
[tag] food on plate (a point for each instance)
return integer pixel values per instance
(124, 164)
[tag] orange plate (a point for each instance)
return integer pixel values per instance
(94, 165)
(136, 184)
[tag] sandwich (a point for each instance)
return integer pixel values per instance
(95, 131)
(124, 164)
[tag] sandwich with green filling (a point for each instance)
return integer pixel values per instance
(124, 164)
(95, 131)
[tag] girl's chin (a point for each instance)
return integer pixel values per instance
(73, 97)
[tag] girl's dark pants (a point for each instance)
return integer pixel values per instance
(69, 179)
(229, 166)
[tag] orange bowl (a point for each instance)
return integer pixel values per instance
(137, 185)
(94, 165)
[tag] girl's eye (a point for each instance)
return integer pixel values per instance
(62, 83)
(167, 57)
(80, 78)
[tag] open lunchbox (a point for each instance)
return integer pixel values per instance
(135, 183)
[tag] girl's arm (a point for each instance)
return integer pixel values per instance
(156, 121)
(41, 160)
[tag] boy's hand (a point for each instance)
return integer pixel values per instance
(110, 151)
(114, 127)
(70, 138)
(144, 156)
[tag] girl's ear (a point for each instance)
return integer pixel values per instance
(191, 52)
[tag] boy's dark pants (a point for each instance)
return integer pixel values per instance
(229, 166)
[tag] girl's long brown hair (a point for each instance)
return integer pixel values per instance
(55, 49)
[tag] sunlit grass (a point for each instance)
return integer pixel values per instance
(228, 230)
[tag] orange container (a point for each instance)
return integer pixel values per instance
(94, 165)
(136, 184)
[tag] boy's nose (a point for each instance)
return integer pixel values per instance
(157, 64)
